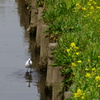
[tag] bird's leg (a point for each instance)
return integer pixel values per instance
(27, 69)
(30, 70)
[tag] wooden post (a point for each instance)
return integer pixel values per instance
(67, 95)
(44, 46)
(57, 87)
(33, 13)
(39, 27)
(49, 76)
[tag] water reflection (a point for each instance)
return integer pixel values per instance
(38, 76)
(23, 13)
(28, 77)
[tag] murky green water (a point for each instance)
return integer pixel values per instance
(15, 49)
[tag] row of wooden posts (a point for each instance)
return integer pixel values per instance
(53, 77)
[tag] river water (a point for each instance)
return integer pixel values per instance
(15, 48)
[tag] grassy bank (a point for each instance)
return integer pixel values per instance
(75, 25)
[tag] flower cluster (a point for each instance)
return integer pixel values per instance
(88, 10)
(79, 94)
(73, 50)
(97, 78)
(90, 73)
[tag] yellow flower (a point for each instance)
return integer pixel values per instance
(79, 91)
(92, 7)
(85, 16)
(88, 60)
(98, 56)
(79, 61)
(73, 44)
(73, 64)
(97, 78)
(73, 56)
(94, 69)
(77, 53)
(90, 12)
(76, 47)
(78, 94)
(83, 97)
(84, 8)
(77, 4)
(98, 7)
(89, 4)
(98, 85)
(88, 75)
(86, 69)
(68, 50)
(94, 2)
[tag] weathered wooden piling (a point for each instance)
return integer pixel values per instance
(67, 95)
(57, 86)
(33, 13)
(49, 77)
(54, 78)
(39, 27)
(44, 46)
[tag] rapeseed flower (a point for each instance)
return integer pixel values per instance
(98, 85)
(93, 69)
(73, 44)
(84, 8)
(77, 53)
(88, 75)
(94, 2)
(89, 4)
(79, 61)
(98, 56)
(90, 12)
(85, 16)
(88, 60)
(68, 50)
(98, 7)
(86, 69)
(92, 7)
(82, 97)
(76, 47)
(77, 4)
(97, 78)
(78, 94)
(73, 56)
(73, 64)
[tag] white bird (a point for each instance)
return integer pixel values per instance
(28, 64)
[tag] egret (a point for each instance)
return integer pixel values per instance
(28, 64)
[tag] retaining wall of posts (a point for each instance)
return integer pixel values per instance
(54, 78)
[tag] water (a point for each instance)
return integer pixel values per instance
(15, 48)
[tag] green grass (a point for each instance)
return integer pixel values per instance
(75, 25)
